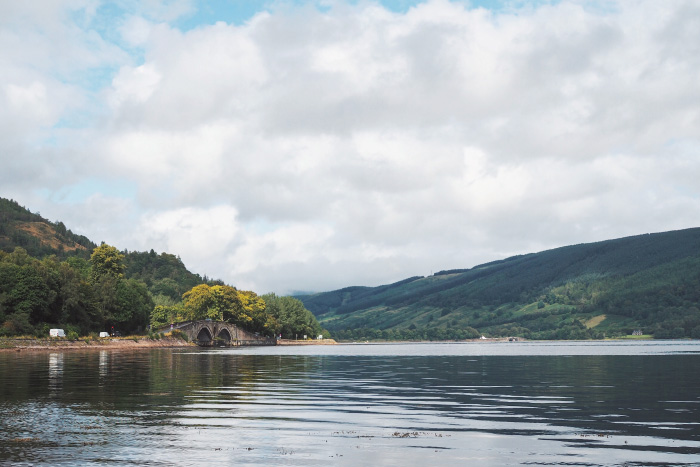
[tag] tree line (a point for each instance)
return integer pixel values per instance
(411, 333)
(91, 295)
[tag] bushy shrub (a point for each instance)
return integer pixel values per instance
(179, 335)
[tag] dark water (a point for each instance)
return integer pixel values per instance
(405, 405)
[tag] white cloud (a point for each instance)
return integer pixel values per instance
(201, 237)
(134, 85)
(136, 31)
(371, 145)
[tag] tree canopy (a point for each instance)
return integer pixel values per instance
(74, 294)
(293, 319)
(226, 303)
(106, 260)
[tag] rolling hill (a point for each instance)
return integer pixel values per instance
(164, 274)
(50, 277)
(648, 283)
(19, 227)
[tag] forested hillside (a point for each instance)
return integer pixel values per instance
(648, 283)
(164, 274)
(21, 228)
(50, 277)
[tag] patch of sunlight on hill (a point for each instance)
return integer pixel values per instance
(595, 321)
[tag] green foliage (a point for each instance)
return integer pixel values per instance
(134, 305)
(412, 333)
(80, 266)
(163, 274)
(292, 318)
(164, 300)
(646, 282)
(163, 315)
(200, 303)
(226, 303)
(34, 293)
(106, 261)
(254, 307)
(64, 287)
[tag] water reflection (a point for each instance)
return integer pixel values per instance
(194, 408)
(55, 366)
(55, 373)
(104, 363)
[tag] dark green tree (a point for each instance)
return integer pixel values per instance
(293, 318)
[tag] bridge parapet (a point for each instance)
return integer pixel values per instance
(208, 333)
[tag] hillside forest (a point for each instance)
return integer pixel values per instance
(646, 284)
(50, 277)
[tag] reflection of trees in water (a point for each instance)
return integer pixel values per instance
(592, 393)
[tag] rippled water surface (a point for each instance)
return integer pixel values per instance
(591, 403)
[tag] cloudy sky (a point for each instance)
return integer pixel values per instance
(306, 146)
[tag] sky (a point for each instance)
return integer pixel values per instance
(289, 146)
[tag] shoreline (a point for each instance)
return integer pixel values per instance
(9, 344)
(119, 343)
(307, 342)
(22, 345)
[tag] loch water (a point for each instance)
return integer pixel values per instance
(523, 403)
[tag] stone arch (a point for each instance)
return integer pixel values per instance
(204, 336)
(224, 337)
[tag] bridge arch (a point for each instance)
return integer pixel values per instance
(224, 337)
(204, 336)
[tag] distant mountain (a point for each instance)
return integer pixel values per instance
(648, 283)
(164, 274)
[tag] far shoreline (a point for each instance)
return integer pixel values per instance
(111, 343)
(9, 344)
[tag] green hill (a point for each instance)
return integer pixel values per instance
(50, 277)
(164, 274)
(649, 283)
(19, 227)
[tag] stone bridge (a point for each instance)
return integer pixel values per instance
(208, 333)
